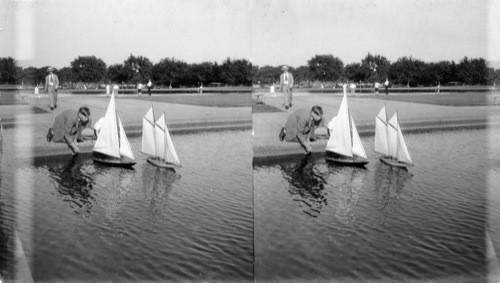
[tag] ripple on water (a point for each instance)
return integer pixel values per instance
(378, 223)
(91, 222)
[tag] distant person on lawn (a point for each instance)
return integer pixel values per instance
(377, 85)
(150, 84)
(301, 125)
(51, 85)
(68, 127)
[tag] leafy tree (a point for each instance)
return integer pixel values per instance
(440, 73)
(493, 76)
(89, 69)
(116, 73)
(255, 70)
(206, 73)
(325, 68)
(236, 72)
(406, 71)
(28, 76)
(301, 75)
(34, 76)
(137, 68)
(267, 75)
(170, 71)
(472, 71)
(8, 72)
(66, 75)
(354, 72)
(375, 68)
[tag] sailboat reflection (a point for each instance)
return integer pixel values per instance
(74, 183)
(389, 183)
(117, 183)
(350, 190)
(306, 185)
(156, 185)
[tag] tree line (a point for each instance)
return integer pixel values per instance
(405, 71)
(168, 72)
(328, 69)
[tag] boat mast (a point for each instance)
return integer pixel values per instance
(387, 130)
(397, 133)
(154, 132)
(118, 128)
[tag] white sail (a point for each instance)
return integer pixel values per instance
(392, 135)
(357, 146)
(107, 141)
(148, 133)
(160, 136)
(170, 153)
(125, 149)
(340, 135)
(332, 123)
(381, 143)
(402, 154)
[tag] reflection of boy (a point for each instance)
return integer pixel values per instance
(301, 125)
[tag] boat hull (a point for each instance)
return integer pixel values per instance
(393, 162)
(346, 160)
(161, 163)
(113, 161)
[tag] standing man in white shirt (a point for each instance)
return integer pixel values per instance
(286, 83)
(150, 84)
(51, 85)
(139, 89)
(386, 85)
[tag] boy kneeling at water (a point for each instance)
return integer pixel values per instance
(68, 127)
(301, 125)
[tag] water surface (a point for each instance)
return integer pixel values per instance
(79, 220)
(316, 220)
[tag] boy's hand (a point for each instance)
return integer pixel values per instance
(74, 146)
(307, 146)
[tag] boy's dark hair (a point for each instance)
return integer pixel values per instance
(318, 110)
(85, 111)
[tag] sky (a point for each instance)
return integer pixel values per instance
(266, 32)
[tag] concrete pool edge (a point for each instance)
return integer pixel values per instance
(265, 149)
(43, 149)
(277, 149)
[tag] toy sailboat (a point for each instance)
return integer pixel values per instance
(157, 143)
(112, 146)
(344, 146)
(389, 141)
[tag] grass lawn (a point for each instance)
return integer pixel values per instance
(206, 99)
(211, 100)
(264, 108)
(449, 99)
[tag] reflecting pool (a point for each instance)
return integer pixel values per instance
(316, 220)
(79, 220)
